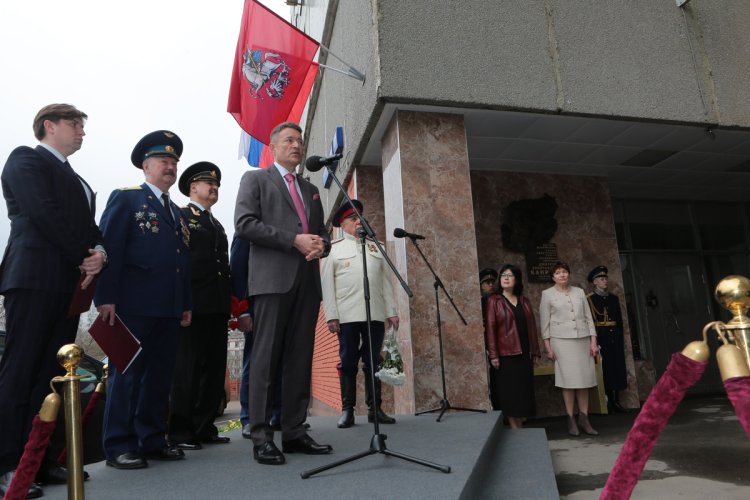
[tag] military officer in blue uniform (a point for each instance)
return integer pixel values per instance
(147, 284)
(344, 306)
(605, 310)
(198, 382)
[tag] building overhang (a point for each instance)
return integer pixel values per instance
(639, 159)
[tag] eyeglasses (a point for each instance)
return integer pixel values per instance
(508, 275)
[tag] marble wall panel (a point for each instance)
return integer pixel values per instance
(427, 190)
(585, 238)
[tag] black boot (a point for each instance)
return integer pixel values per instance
(348, 400)
(374, 406)
(613, 403)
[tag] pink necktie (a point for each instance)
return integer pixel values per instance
(297, 203)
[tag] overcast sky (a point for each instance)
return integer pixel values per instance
(133, 67)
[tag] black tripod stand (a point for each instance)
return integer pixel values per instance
(377, 443)
(445, 405)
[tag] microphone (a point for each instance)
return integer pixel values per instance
(315, 163)
(400, 233)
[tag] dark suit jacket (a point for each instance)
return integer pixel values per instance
(266, 217)
(52, 224)
(209, 262)
(149, 259)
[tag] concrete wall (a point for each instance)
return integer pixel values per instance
(643, 59)
(344, 101)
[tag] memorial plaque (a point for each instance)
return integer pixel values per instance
(539, 262)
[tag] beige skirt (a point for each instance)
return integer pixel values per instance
(574, 366)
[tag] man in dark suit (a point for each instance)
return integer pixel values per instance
(281, 215)
(146, 284)
(198, 381)
(53, 241)
(238, 256)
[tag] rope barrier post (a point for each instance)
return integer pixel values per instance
(70, 356)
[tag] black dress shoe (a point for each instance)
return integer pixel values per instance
(34, 490)
(166, 453)
(268, 454)
(53, 473)
(129, 460)
(305, 444)
(188, 445)
(246, 431)
(216, 440)
(618, 408)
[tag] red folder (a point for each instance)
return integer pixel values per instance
(82, 298)
(117, 342)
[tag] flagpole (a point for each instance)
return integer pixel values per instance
(353, 72)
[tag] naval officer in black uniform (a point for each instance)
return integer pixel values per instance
(605, 310)
(202, 353)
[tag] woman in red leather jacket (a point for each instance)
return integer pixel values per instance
(512, 344)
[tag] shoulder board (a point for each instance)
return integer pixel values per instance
(337, 241)
(590, 294)
(131, 188)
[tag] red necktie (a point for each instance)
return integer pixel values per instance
(297, 203)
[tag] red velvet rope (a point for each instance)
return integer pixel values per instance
(738, 390)
(682, 373)
(33, 453)
(84, 419)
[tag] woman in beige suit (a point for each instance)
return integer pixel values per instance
(570, 341)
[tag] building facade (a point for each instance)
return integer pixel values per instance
(634, 117)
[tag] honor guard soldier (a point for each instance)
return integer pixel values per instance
(198, 382)
(487, 284)
(344, 306)
(605, 310)
(146, 284)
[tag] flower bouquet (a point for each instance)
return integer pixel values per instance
(392, 368)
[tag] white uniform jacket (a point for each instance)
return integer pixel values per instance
(343, 286)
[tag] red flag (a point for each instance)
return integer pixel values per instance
(271, 65)
(295, 114)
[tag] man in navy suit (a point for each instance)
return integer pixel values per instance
(281, 215)
(53, 241)
(238, 263)
(147, 284)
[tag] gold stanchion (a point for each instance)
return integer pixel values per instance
(69, 356)
(733, 293)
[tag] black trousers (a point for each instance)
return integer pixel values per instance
(198, 381)
(284, 331)
(351, 350)
(36, 326)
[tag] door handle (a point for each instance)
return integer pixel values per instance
(677, 328)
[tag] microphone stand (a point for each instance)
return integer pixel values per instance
(445, 405)
(377, 443)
